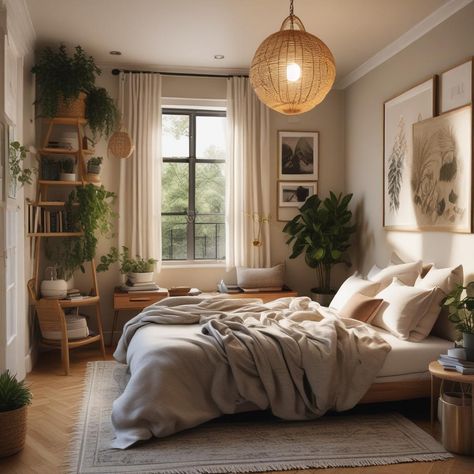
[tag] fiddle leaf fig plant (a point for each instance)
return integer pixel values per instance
(322, 231)
(460, 303)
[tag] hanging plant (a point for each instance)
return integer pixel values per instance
(101, 113)
(16, 157)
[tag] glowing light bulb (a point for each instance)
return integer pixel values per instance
(293, 72)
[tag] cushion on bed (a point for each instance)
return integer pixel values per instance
(263, 278)
(405, 272)
(361, 307)
(403, 309)
(354, 284)
(444, 278)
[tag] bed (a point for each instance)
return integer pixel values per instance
(180, 378)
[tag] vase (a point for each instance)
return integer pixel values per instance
(468, 344)
(324, 298)
(12, 431)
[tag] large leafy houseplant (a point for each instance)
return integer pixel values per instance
(322, 230)
(460, 304)
(89, 209)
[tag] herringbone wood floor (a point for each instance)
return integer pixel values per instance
(56, 401)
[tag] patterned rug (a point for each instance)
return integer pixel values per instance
(241, 446)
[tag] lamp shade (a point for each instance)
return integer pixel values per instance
(292, 70)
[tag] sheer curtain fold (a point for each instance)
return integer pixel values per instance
(140, 175)
(248, 177)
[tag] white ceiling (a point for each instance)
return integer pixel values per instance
(184, 35)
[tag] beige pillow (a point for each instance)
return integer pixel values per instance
(354, 284)
(444, 278)
(261, 278)
(361, 307)
(405, 272)
(403, 308)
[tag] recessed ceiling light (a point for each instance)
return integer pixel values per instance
(218, 56)
(115, 53)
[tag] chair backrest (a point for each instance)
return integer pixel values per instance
(32, 290)
(51, 317)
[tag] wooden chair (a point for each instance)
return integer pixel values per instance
(51, 317)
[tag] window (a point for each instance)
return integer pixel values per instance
(193, 184)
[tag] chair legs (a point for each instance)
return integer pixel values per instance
(65, 356)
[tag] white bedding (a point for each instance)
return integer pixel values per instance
(286, 356)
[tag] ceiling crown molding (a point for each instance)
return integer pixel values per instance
(414, 33)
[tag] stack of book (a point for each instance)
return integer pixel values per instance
(44, 220)
(455, 363)
(145, 286)
(73, 294)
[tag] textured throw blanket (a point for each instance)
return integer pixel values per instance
(193, 359)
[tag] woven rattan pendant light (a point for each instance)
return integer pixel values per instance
(292, 70)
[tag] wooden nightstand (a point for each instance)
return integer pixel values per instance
(135, 301)
(438, 372)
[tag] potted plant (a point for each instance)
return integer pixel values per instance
(66, 88)
(67, 170)
(15, 396)
(460, 303)
(88, 209)
(138, 269)
(16, 156)
(322, 230)
(93, 169)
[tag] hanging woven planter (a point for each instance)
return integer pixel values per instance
(292, 70)
(120, 145)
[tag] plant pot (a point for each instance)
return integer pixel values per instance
(67, 176)
(95, 169)
(93, 178)
(141, 277)
(468, 344)
(75, 108)
(324, 298)
(53, 288)
(12, 431)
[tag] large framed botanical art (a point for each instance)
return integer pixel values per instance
(400, 113)
(441, 176)
(298, 156)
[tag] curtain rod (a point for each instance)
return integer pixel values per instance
(116, 72)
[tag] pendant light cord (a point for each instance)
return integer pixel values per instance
(291, 14)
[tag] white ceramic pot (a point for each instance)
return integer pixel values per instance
(141, 277)
(67, 176)
(53, 288)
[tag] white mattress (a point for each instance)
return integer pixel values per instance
(409, 360)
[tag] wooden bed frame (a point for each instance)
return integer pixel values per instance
(395, 391)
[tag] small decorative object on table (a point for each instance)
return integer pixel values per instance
(460, 303)
(52, 286)
(15, 396)
(93, 169)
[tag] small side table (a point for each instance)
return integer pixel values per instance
(134, 301)
(438, 373)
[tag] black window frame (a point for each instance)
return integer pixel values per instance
(192, 161)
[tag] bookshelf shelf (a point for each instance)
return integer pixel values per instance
(55, 234)
(51, 204)
(45, 182)
(64, 151)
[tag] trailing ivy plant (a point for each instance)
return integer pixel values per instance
(322, 230)
(127, 263)
(16, 157)
(101, 113)
(14, 394)
(89, 209)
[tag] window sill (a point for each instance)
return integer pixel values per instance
(169, 265)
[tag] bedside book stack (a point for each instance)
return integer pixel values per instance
(460, 365)
(131, 287)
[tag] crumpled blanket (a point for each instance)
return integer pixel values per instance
(193, 359)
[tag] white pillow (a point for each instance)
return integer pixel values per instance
(354, 284)
(405, 272)
(403, 309)
(444, 278)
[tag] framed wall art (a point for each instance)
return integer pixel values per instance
(456, 85)
(441, 176)
(400, 113)
(298, 156)
(295, 193)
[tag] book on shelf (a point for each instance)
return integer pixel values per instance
(47, 220)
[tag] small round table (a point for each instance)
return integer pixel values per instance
(438, 372)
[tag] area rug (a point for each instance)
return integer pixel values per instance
(240, 446)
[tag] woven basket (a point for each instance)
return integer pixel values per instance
(120, 145)
(12, 431)
(73, 108)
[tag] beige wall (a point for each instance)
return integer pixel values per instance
(328, 119)
(441, 48)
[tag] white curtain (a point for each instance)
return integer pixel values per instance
(248, 177)
(140, 175)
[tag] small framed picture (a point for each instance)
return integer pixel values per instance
(294, 194)
(298, 156)
(456, 86)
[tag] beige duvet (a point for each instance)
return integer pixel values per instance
(193, 359)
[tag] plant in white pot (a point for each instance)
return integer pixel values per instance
(460, 303)
(15, 396)
(322, 230)
(67, 170)
(138, 269)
